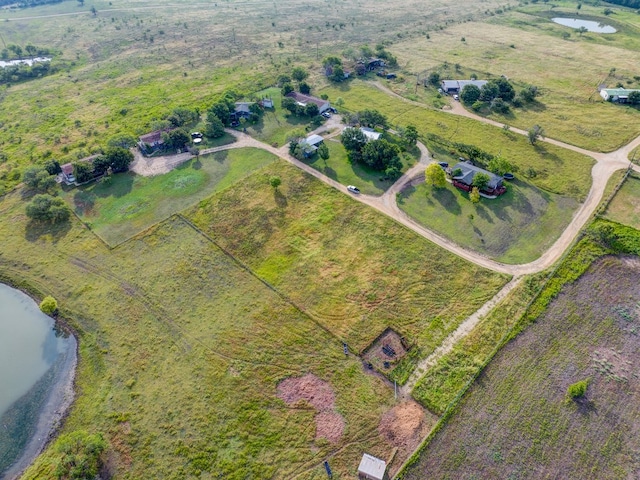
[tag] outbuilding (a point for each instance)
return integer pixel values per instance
(455, 86)
(371, 468)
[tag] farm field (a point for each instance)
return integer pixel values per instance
(624, 206)
(516, 227)
(132, 202)
(552, 165)
(524, 45)
(516, 420)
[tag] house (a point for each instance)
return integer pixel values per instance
(617, 95)
(314, 140)
(67, 174)
(303, 100)
(451, 87)
(374, 63)
(309, 145)
(464, 180)
(242, 110)
(371, 468)
(153, 140)
(370, 133)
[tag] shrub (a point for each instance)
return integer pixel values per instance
(49, 305)
(578, 389)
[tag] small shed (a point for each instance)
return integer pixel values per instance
(371, 468)
(370, 133)
(314, 140)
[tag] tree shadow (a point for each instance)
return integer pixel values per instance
(121, 185)
(83, 201)
(585, 406)
(280, 199)
(542, 150)
(330, 172)
(196, 164)
(447, 200)
(220, 157)
(484, 213)
(57, 231)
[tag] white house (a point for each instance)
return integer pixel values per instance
(371, 468)
(370, 133)
(303, 100)
(619, 95)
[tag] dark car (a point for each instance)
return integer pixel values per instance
(508, 176)
(444, 165)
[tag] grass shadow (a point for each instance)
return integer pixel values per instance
(221, 156)
(280, 199)
(121, 185)
(196, 164)
(447, 200)
(34, 230)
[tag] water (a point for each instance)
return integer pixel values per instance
(26, 61)
(590, 25)
(37, 363)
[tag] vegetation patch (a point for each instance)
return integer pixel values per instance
(625, 206)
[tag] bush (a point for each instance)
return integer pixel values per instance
(578, 389)
(45, 208)
(49, 305)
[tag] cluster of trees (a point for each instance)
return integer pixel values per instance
(28, 3)
(367, 118)
(626, 3)
(47, 208)
(309, 110)
(221, 115)
(13, 51)
(300, 150)
(333, 68)
(378, 154)
(183, 116)
(497, 94)
(21, 72)
(299, 75)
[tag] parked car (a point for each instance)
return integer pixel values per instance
(456, 97)
(353, 189)
(196, 135)
(326, 114)
(333, 110)
(508, 176)
(444, 165)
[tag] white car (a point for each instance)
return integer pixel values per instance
(456, 98)
(353, 189)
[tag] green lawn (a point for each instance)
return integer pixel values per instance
(339, 168)
(516, 227)
(551, 165)
(132, 202)
(625, 206)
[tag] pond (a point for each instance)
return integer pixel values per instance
(25, 61)
(37, 364)
(590, 25)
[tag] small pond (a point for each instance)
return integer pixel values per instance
(590, 25)
(25, 61)
(37, 364)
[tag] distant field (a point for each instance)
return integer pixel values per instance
(516, 227)
(353, 270)
(528, 48)
(516, 421)
(132, 202)
(625, 206)
(552, 165)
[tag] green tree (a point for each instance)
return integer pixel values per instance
(577, 390)
(488, 92)
(535, 133)
(331, 61)
(293, 147)
(380, 154)
(100, 165)
(45, 208)
(338, 74)
(222, 110)
(299, 74)
(291, 105)
(176, 139)
(38, 179)
(323, 151)
(529, 93)
(582, 30)
(372, 118)
(80, 455)
(304, 88)
(499, 165)
(410, 135)
(49, 305)
(122, 140)
(119, 159)
(214, 128)
(283, 79)
(52, 167)
(311, 110)
(470, 94)
(287, 88)
(434, 175)
(275, 182)
(434, 79)
(353, 139)
(474, 195)
(481, 180)
(634, 97)
(82, 171)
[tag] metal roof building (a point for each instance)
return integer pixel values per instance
(371, 468)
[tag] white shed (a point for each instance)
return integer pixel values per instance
(370, 133)
(314, 140)
(371, 468)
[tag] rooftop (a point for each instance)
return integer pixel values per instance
(460, 84)
(314, 139)
(370, 133)
(620, 92)
(469, 171)
(305, 99)
(372, 467)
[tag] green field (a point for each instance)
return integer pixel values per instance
(552, 165)
(624, 207)
(132, 202)
(516, 227)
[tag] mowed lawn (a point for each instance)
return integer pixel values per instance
(516, 227)
(353, 270)
(625, 205)
(556, 169)
(132, 202)
(369, 181)
(181, 351)
(516, 421)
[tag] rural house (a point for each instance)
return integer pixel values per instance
(464, 180)
(310, 144)
(67, 177)
(302, 100)
(371, 468)
(617, 95)
(242, 110)
(451, 87)
(152, 141)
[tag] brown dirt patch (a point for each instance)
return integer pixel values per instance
(309, 388)
(329, 425)
(404, 427)
(377, 356)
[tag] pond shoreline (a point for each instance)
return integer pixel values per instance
(59, 401)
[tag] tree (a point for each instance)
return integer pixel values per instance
(311, 110)
(49, 305)
(82, 171)
(634, 97)
(323, 151)
(410, 135)
(474, 195)
(299, 74)
(53, 167)
(488, 92)
(31, 50)
(535, 133)
(305, 88)
(214, 128)
(372, 118)
(353, 139)
(470, 94)
(100, 165)
(287, 88)
(380, 154)
(499, 166)
(80, 455)
(529, 93)
(577, 390)
(582, 30)
(94, 11)
(122, 140)
(481, 180)
(290, 104)
(283, 79)
(338, 74)
(38, 179)
(119, 159)
(505, 90)
(331, 61)
(176, 139)
(45, 208)
(275, 182)
(222, 110)
(434, 175)
(293, 146)
(434, 79)
(500, 106)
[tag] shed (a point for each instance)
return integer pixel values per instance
(371, 468)
(456, 86)
(620, 95)
(370, 133)
(314, 140)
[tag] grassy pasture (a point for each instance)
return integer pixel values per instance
(181, 350)
(516, 227)
(353, 270)
(132, 202)
(553, 165)
(625, 207)
(516, 421)
(528, 48)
